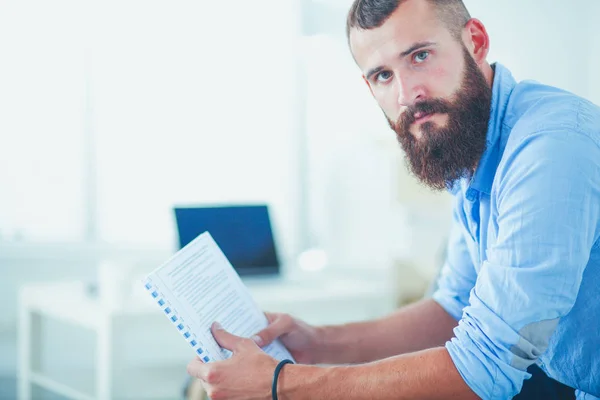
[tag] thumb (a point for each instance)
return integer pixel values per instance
(279, 325)
(225, 339)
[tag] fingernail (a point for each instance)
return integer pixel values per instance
(257, 340)
(217, 325)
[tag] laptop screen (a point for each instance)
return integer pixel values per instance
(244, 234)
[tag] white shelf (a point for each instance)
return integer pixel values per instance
(65, 301)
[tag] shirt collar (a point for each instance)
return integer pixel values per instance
(502, 88)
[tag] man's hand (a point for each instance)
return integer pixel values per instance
(247, 374)
(302, 340)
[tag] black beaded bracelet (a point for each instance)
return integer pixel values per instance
(276, 376)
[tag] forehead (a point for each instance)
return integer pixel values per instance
(412, 22)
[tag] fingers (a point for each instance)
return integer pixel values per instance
(280, 324)
(198, 369)
(225, 339)
(208, 373)
(271, 316)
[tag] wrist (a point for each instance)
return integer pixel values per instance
(299, 382)
(276, 373)
(319, 355)
(335, 346)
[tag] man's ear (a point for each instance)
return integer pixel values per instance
(369, 85)
(477, 40)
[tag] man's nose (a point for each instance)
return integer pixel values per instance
(409, 91)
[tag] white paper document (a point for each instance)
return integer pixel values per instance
(198, 286)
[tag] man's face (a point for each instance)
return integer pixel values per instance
(432, 92)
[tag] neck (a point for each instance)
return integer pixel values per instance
(488, 73)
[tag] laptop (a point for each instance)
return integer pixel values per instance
(243, 232)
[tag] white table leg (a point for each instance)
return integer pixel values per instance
(30, 349)
(24, 339)
(104, 360)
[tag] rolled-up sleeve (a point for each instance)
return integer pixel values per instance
(545, 209)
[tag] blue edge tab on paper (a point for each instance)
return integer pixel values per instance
(167, 310)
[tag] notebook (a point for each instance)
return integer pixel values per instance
(198, 286)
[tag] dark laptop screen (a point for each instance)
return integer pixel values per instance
(244, 234)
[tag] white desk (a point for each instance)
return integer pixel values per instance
(333, 301)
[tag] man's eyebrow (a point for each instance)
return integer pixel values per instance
(373, 71)
(412, 48)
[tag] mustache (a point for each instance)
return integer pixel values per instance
(431, 106)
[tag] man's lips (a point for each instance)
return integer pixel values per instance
(421, 117)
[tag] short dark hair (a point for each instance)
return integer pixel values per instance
(369, 14)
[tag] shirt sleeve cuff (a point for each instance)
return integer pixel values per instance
(475, 374)
(483, 371)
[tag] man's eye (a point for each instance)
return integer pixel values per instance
(383, 76)
(421, 56)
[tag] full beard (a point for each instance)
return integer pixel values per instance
(443, 155)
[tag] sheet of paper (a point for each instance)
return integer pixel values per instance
(201, 287)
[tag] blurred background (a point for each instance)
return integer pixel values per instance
(112, 113)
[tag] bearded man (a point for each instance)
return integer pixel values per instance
(520, 283)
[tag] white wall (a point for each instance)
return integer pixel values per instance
(183, 103)
(193, 104)
(41, 141)
(545, 40)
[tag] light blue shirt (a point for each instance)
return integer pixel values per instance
(522, 274)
